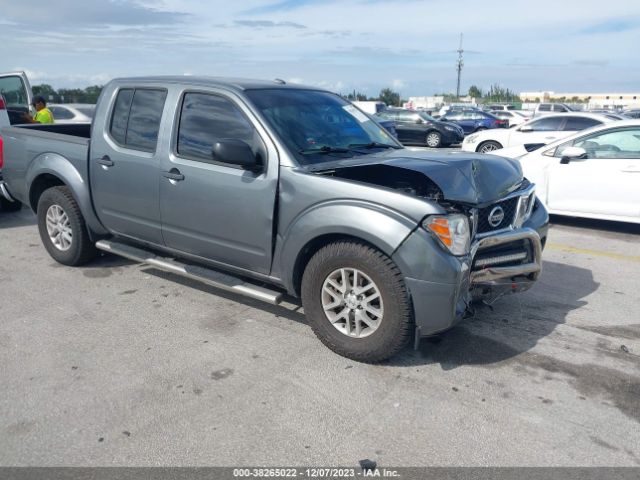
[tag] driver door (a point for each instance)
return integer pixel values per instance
(606, 182)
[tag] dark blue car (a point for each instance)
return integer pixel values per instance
(474, 120)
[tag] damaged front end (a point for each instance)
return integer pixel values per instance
(486, 242)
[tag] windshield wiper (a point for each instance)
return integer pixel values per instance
(373, 145)
(324, 150)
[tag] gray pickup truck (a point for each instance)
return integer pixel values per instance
(263, 188)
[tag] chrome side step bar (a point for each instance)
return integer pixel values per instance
(214, 278)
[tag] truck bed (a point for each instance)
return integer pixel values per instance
(26, 145)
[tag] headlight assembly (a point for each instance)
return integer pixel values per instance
(451, 230)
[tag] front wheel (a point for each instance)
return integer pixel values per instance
(488, 146)
(433, 140)
(356, 301)
(62, 228)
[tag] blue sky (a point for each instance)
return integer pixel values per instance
(409, 45)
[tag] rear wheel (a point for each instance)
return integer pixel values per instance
(356, 301)
(62, 228)
(433, 140)
(488, 146)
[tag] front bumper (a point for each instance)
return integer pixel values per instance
(443, 286)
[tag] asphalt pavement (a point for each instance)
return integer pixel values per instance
(117, 363)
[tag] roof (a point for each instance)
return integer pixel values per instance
(225, 82)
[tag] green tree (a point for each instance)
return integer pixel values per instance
(47, 91)
(92, 93)
(500, 94)
(474, 92)
(356, 96)
(389, 97)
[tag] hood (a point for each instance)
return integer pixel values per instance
(462, 177)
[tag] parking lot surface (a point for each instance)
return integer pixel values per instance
(117, 363)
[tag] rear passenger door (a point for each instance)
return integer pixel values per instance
(215, 210)
(124, 164)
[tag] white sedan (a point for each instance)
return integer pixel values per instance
(515, 117)
(72, 112)
(594, 173)
(539, 131)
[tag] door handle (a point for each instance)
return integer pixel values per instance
(106, 161)
(631, 169)
(173, 174)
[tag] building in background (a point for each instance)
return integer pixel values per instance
(589, 100)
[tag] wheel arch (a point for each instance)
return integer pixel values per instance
(51, 170)
(379, 228)
(312, 247)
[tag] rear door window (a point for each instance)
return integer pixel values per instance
(575, 124)
(544, 107)
(407, 117)
(136, 116)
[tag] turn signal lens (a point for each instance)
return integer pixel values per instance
(452, 231)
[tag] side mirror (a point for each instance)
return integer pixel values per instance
(419, 121)
(236, 152)
(573, 153)
(526, 128)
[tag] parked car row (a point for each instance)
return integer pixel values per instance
(538, 131)
(418, 128)
(593, 173)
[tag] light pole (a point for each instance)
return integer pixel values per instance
(460, 65)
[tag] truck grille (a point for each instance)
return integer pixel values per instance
(497, 216)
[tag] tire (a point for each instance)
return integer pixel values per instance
(390, 331)
(433, 139)
(488, 146)
(58, 207)
(7, 206)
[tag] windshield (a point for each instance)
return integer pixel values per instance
(320, 126)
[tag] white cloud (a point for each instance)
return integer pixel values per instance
(398, 84)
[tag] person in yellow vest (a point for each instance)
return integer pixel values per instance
(43, 114)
